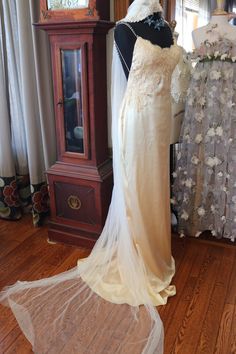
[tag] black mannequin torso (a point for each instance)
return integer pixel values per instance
(125, 38)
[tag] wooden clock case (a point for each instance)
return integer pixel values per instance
(80, 182)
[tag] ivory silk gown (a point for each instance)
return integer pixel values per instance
(144, 130)
(131, 263)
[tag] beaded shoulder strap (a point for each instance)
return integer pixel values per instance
(118, 49)
(121, 56)
(130, 27)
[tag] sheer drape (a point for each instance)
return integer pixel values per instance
(204, 12)
(27, 135)
(191, 14)
(229, 5)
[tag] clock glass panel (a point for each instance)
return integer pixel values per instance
(72, 99)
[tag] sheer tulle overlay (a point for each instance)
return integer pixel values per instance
(62, 315)
(107, 303)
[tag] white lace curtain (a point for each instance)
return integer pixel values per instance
(27, 133)
(230, 5)
(189, 15)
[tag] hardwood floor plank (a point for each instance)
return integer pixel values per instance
(231, 295)
(16, 257)
(190, 328)
(71, 261)
(179, 246)
(12, 341)
(225, 327)
(19, 346)
(231, 349)
(185, 293)
(10, 230)
(9, 329)
(35, 266)
(180, 279)
(7, 246)
(211, 323)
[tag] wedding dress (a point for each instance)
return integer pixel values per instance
(205, 178)
(107, 303)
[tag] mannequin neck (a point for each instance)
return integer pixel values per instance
(155, 15)
(221, 20)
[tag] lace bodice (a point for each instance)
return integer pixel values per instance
(152, 68)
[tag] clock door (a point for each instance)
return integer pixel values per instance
(71, 100)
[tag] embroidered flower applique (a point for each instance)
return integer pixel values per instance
(201, 211)
(213, 209)
(184, 215)
(219, 131)
(198, 138)
(195, 160)
(215, 75)
(213, 161)
(211, 132)
(189, 183)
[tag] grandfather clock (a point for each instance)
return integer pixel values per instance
(80, 183)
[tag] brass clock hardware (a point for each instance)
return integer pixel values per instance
(74, 202)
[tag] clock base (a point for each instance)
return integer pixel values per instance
(79, 200)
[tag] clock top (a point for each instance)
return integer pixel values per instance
(74, 10)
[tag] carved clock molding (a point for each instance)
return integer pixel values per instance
(72, 10)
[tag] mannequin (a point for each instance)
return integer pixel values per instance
(204, 187)
(218, 25)
(125, 39)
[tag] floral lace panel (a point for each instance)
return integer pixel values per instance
(222, 49)
(205, 177)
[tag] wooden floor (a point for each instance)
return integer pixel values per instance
(201, 318)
